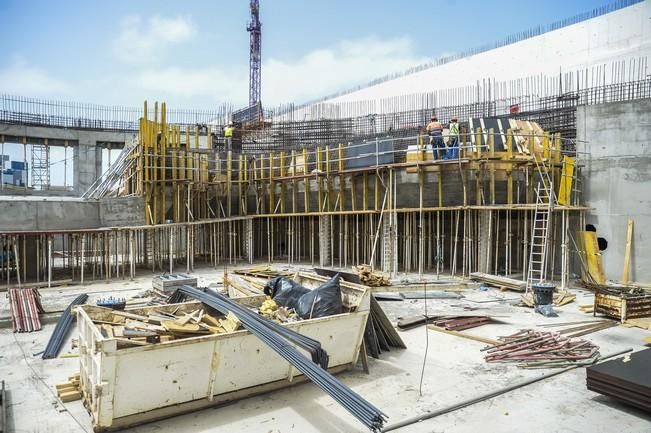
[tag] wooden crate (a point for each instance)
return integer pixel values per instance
(620, 305)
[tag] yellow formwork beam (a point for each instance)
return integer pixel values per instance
(567, 175)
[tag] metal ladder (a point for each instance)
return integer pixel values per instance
(545, 199)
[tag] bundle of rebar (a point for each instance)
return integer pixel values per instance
(276, 337)
(551, 348)
(62, 328)
(25, 306)
(107, 183)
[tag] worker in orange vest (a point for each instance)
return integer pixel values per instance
(435, 132)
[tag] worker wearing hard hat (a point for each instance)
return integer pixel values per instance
(435, 132)
(453, 139)
(228, 136)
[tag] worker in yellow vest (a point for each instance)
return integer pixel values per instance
(228, 136)
(453, 139)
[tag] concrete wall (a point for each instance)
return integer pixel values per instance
(35, 213)
(618, 180)
(47, 214)
(122, 211)
(620, 35)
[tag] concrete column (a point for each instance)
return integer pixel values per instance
(324, 240)
(484, 244)
(87, 159)
(247, 244)
(389, 244)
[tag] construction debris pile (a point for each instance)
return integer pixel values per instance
(25, 306)
(542, 349)
(371, 278)
(130, 329)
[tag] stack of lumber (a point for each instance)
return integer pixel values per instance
(380, 335)
(371, 278)
(626, 379)
(499, 281)
(266, 272)
(242, 286)
(560, 298)
(131, 329)
(586, 308)
(536, 349)
(69, 391)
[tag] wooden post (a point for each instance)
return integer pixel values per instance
(627, 255)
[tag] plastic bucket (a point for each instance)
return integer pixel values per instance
(543, 293)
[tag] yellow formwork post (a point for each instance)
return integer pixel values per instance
(196, 166)
(229, 176)
(306, 183)
(245, 177)
(546, 146)
(272, 186)
(491, 168)
(478, 141)
(318, 179)
(556, 154)
(163, 152)
(283, 186)
(328, 179)
(365, 191)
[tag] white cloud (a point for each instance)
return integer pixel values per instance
(24, 80)
(337, 68)
(317, 73)
(143, 41)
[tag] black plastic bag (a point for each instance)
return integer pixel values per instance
(284, 291)
(323, 301)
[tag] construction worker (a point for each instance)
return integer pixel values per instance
(435, 132)
(453, 139)
(228, 136)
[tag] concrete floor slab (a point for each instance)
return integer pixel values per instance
(454, 371)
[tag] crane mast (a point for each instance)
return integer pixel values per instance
(255, 65)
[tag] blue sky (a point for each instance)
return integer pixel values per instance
(194, 54)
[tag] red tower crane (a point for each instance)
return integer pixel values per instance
(255, 64)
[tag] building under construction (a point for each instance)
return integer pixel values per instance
(548, 183)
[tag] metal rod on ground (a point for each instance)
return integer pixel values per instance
(479, 399)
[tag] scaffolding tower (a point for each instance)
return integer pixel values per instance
(40, 166)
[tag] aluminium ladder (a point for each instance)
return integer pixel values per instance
(545, 197)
